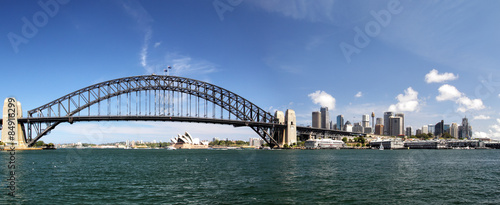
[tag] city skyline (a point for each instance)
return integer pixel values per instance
(428, 60)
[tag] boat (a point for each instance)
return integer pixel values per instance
(170, 148)
(381, 147)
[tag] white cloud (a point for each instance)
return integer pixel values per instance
(157, 44)
(186, 66)
(314, 11)
(324, 99)
(407, 102)
(493, 133)
(435, 77)
(359, 94)
(144, 50)
(481, 117)
(499, 95)
(449, 92)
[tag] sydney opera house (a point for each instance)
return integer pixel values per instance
(187, 142)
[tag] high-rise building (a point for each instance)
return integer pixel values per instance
(325, 118)
(418, 132)
(368, 130)
(425, 129)
(387, 123)
(379, 129)
(358, 128)
(408, 131)
(348, 127)
(431, 128)
(454, 130)
(380, 121)
(396, 126)
(366, 121)
(402, 115)
(316, 119)
(466, 129)
(340, 122)
(439, 129)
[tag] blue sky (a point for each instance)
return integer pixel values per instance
(432, 60)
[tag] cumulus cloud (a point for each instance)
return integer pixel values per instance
(324, 99)
(406, 102)
(359, 94)
(493, 132)
(481, 117)
(435, 77)
(450, 93)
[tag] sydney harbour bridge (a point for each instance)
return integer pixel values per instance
(158, 98)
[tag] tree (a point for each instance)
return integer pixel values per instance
(39, 143)
(285, 146)
(344, 139)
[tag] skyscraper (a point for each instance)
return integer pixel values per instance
(402, 115)
(316, 119)
(466, 129)
(454, 130)
(425, 129)
(408, 131)
(380, 121)
(325, 118)
(366, 121)
(395, 123)
(340, 122)
(387, 122)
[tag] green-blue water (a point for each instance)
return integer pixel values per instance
(90, 176)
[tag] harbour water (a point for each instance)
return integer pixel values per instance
(116, 176)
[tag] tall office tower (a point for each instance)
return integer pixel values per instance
(402, 115)
(347, 127)
(425, 129)
(379, 129)
(316, 119)
(396, 126)
(387, 123)
(408, 132)
(439, 129)
(418, 131)
(340, 122)
(380, 121)
(331, 125)
(325, 118)
(432, 128)
(454, 130)
(373, 121)
(366, 121)
(358, 128)
(466, 131)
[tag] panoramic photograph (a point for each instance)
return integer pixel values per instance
(250, 102)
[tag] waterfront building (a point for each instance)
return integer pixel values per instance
(454, 130)
(324, 144)
(256, 142)
(408, 131)
(365, 121)
(316, 119)
(379, 129)
(340, 122)
(358, 128)
(325, 118)
(387, 126)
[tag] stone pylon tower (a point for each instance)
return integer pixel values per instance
(12, 132)
(291, 127)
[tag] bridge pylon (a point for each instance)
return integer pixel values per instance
(12, 131)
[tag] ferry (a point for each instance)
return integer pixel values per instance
(324, 144)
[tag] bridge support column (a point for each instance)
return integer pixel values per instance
(12, 132)
(279, 134)
(291, 127)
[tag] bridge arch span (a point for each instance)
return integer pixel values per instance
(87, 102)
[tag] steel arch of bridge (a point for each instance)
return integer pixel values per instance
(69, 108)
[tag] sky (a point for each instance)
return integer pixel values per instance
(431, 60)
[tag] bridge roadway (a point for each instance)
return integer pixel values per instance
(235, 123)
